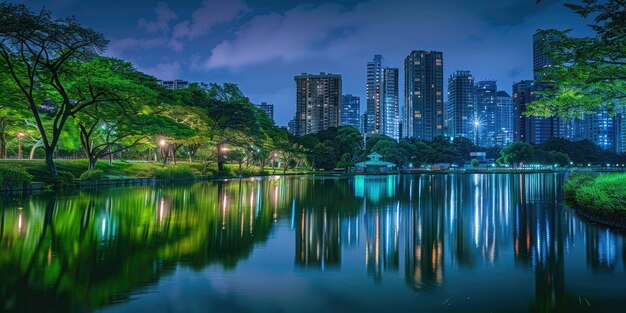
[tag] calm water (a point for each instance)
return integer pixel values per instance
(429, 243)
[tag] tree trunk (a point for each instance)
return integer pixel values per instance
(262, 164)
(3, 144)
(32, 152)
(92, 163)
(50, 162)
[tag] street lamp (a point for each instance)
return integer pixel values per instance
(162, 144)
(20, 135)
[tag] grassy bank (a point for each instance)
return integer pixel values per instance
(598, 195)
(123, 169)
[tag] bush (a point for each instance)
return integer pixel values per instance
(602, 193)
(173, 173)
(92, 175)
(475, 163)
(13, 177)
(62, 180)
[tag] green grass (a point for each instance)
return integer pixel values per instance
(123, 169)
(119, 169)
(604, 193)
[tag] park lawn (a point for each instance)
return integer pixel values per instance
(124, 169)
(118, 169)
(603, 193)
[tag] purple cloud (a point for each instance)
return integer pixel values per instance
(164, 16)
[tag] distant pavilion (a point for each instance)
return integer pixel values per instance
(375, 165)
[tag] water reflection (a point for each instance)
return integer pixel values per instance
(90, 249)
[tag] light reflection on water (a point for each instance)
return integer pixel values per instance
(366, 243)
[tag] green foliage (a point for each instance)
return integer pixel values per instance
(475, 163)
(517, 153)
(92, 175)
(588, 74)
(172, 173)
(13, 177)
(62, 180)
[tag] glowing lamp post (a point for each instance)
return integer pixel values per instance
(162, 144)
(20, 135)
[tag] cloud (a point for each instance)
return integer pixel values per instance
(118, 47)
(287, 36)
(164, 71)
(209, 14)
(164, 16)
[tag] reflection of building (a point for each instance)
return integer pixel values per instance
(318, 98)
(317, 239)
(381, 246)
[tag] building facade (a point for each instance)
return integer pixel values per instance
(351, 111)
(504, 131)
(390, 108)
(318, 99)
(486, 106)
(460, 109)
(383, 111)
(267, 108)
(174, 84)
(423, 95)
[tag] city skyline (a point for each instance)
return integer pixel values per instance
(184, 40)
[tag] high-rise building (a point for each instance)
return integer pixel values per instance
(504, 119)
(373, 91)
(521, 98)
(461, 112)
(382, 99)
(174, 84)
(351, 111)
(390, 109)
(318, 99)
(602, 130)
(541, 52)
(291, 126)
(486, 106)
(620, 131)
(364, 123)
(268, 109)
(423, 95)
(533, 129)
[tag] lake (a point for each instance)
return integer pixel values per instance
(408, 243)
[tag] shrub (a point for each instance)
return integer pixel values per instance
(173, 173)
(603, 193)
(475, 163)
(92, 175)
(13, 177)
(575, 181)
(62, 180)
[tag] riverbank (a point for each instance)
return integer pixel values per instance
(600, 198)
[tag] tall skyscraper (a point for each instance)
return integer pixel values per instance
(504, 119)
(461, 110)
(318, 99)
(620, 131)
(351, 111)
(382, 99)
(423, 95)
(373, 92)
(602, 130)
(486, 106)
(390, 105)
(541, 52)
(533, 129)
(268, 109)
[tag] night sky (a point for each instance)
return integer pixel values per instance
(262, 44)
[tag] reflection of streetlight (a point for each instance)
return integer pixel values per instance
(20, 220)
(20, 135)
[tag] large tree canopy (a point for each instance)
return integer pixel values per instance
(587, 74)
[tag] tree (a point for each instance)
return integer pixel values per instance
(231, 118)
(37, 49)
(475, 163)
(516, 153)
(587, 74)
